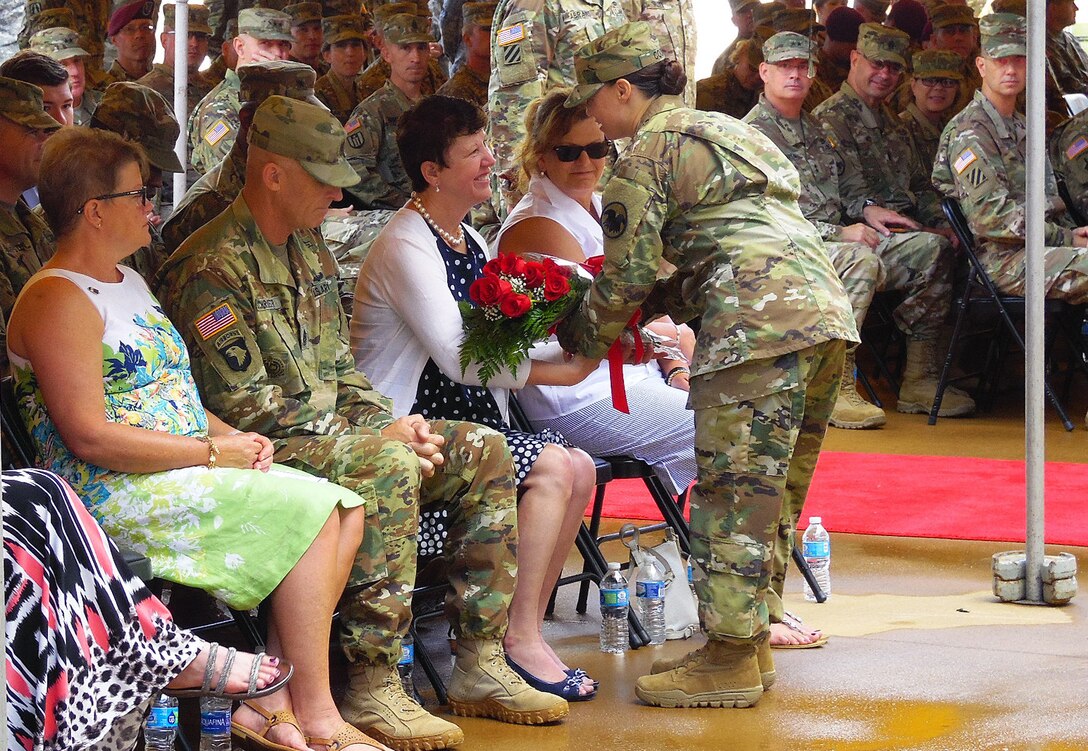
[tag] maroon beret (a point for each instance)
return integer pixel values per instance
(131, 12)
(909, 16)
(842, 25)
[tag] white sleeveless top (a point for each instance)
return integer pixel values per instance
(546, 200)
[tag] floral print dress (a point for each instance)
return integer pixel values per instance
(232, 532)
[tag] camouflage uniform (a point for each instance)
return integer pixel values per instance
(451, 25)
(161, 76)
(281, 366)
(376, 74)
(724, 93)
(372, 150)
(830, 72)
(466, 84)
(1068, 61)
(213, 126)
(61, 43)
(673, 23)
(981, 163)
(1069, 157)
(310, 13)
(339, 95)
(92, 18)
(923, 135)
(718, 201)
(532, 51)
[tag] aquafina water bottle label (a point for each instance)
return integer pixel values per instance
(651, 589)
(816, 548)
(407, 654)
(215, 723)
(613, 598)
(162, 718)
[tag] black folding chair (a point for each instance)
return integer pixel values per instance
(981, 292)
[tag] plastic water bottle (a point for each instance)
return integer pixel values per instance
(406, 663)
(214, 724)
(816, 548)
(161, 726)
(614, 635)
(650, 595)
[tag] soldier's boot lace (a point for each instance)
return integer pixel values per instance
(721, 674)
(484, 685)
(851, 411)
(764, 658)
(920, 384)
(377, 703)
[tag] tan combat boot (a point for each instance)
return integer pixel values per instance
(920, 384)
(764, 656)
(483, 685)
(851, 411)
(377, 704)
(721, 674)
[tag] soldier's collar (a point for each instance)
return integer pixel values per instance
(270, 269)
(1000, 125)
(657, 106)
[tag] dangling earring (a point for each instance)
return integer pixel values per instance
(437, 189)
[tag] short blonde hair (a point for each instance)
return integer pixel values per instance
(79, 164)
(546, 121)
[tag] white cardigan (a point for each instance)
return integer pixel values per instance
(404, 314)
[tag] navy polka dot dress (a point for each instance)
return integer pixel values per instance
(438, 397)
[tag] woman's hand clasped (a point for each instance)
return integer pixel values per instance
(244, 451)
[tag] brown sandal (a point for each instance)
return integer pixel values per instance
(251, 740)
(347, 735)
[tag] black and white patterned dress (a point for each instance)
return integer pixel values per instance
(87, 643)
(438, 397)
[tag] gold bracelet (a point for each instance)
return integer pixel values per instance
(213, 450)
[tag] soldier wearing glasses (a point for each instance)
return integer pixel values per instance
(934, 86)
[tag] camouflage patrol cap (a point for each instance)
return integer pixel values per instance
(478, 14)
(762, 12)
(952, 15)
(49, 19)
(1019, 7)
(303, 13)
(307, 133)
(125, 14)
(882, 43)
(798, 20)
(265, 23)
(58, 43)
(231, 30)
(143, 116)
(788, 45)
(739, 6)
(1003, 35)
(382, 12)
(614, 55)
(878, 8)
(343, 28)
(198, 18)
(405, 28)
(258, 81)
(24, 103)
(937, 64)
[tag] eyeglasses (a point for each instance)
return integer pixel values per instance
(885, 65)
(941, 83)
(145, 193)
(570, 153)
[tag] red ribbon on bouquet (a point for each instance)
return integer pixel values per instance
(615, 352)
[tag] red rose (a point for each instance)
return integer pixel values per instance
(534, 274)
(511, 265)
(489, 290)
(492, 267)
(555, 286)
(594, 264)
(515, 305)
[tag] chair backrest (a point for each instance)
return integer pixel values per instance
(19, 451)
(1063, 190)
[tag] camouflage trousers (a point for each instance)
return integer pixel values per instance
(1065, 271)
(475, 487)
(861, 272)
(756, 451)
(349, 239)
(920, 265)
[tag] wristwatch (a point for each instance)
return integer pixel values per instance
(868, 202)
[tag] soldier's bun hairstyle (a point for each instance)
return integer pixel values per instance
(664, 78)
(546, 122)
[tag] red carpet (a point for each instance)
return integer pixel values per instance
(919, 496)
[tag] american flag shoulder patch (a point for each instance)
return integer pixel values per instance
(1077, 147)
(510, 34)
(215, 134)
(964, 160)
(211, 323)
(352, 125)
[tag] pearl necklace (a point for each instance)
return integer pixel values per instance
(453, 240)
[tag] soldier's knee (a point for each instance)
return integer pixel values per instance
(398, 461)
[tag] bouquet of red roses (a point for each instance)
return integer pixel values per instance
(515, 304)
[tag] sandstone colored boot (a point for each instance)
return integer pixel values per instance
(720, 674)
(483, 685)
(376, 703)
(920, 384)
(764, 657)
(851, 411)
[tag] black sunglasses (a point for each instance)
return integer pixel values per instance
(598, 150)
(146, 194)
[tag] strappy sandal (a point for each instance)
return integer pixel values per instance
(793, 623)
(569, 689)
(248, 739)
(347, 735)
(286, 671)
